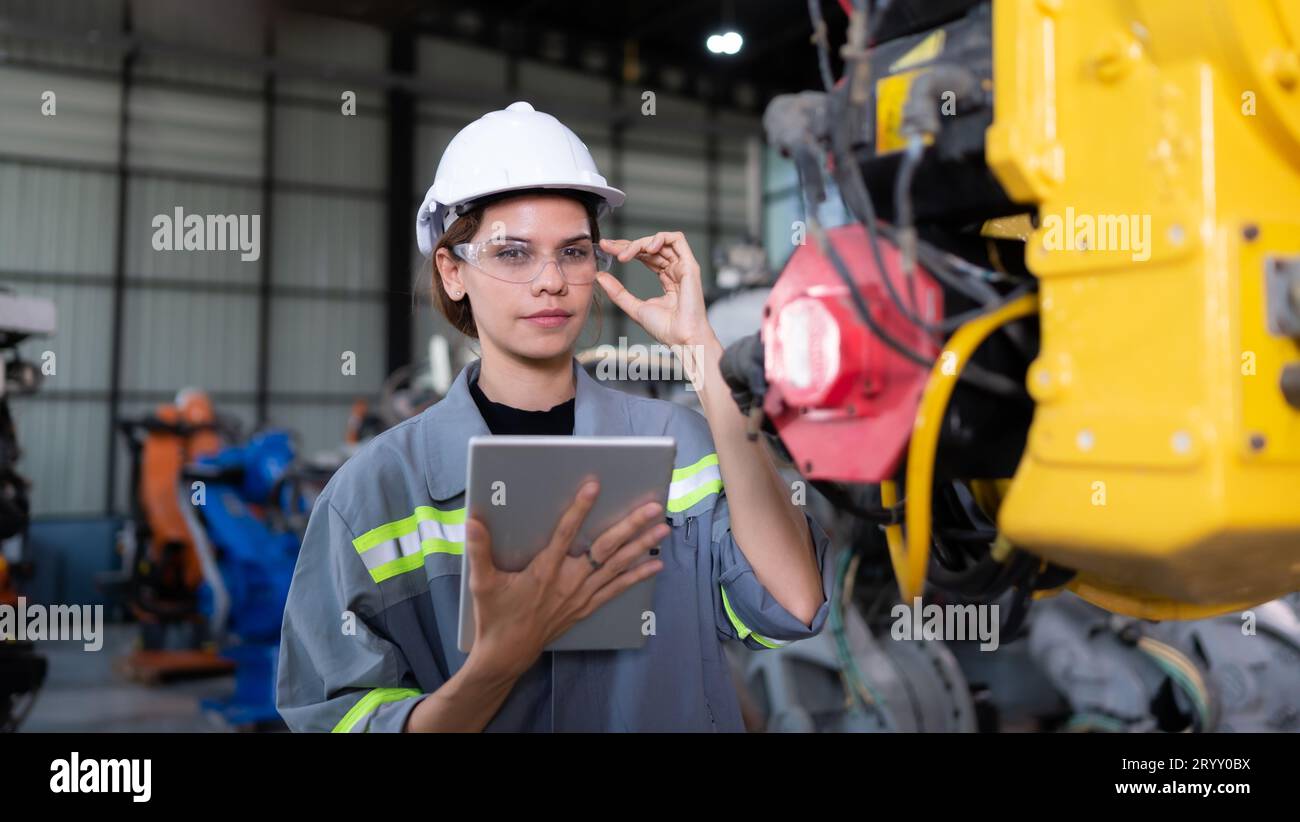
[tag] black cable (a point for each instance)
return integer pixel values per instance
(854, 194)
(903, 215)
(969, 286)
(859, 204)
(972, 374)
(823, 47)
(1054, 576)
(839, 496)
(828, 249)
(1019, 607)
(984, 535)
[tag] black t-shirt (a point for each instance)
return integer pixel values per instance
(506, 419)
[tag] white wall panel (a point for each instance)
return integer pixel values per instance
(83, 342)
(317, 427)
(55, 219)
(460, 69)
(83, 127)
(329, 242)
(324, 146)
(665, 187)
(310, 40)
(230, 29)
(184, 141)
(173, 339)
(188, 132)
(309, 337)
(64, 455)
(149, 198)
(104, 16)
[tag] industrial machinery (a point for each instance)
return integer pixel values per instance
(1233, 672)
(1063, 323)
(1119, 402)
(22, 670)
(239, 518)
(162, 571)
(211, 549)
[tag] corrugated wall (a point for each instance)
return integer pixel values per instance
(208, 132)
(58, 201)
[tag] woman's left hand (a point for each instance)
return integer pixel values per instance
(678, 316)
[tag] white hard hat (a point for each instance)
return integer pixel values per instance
(508, 150)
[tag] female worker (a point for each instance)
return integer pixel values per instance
(369, 636)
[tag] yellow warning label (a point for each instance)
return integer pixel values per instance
(891, 96)
(928, 49)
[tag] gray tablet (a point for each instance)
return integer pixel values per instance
(520, 485)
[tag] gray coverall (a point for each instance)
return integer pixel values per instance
(371, 622)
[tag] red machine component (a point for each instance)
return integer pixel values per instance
(831, 382)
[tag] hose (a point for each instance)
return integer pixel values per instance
(911, 570)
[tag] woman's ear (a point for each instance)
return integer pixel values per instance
(447, 267)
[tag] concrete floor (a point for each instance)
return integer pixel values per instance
(83, 692)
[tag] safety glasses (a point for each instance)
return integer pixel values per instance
(515, 261)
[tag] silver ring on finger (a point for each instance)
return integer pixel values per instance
(595, 565)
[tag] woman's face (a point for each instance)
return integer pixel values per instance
(506, 313)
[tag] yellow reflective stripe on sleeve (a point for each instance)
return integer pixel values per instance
(694, 482)
(370, 702)
(409, 525)
(695, 468)
(411, 562)
(401, 546)
(743, 631)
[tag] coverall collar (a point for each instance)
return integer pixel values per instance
(598, 412)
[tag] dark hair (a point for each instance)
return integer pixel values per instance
(459, 312)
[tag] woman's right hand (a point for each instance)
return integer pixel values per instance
(517, 614)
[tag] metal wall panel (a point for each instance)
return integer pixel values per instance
(82, 129)
(229, 26)
(197, 139)
(316, 426)
(665, 189)
(461, 70)
(63, 453)
(323, 241)
(585, 99)
(149, 198)
(189, 132)
(178, 338)
(310, 40)
(80, 346)
(102, 16)
(324, 146)
(309, 337)
(55, 219)
(733, 185)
